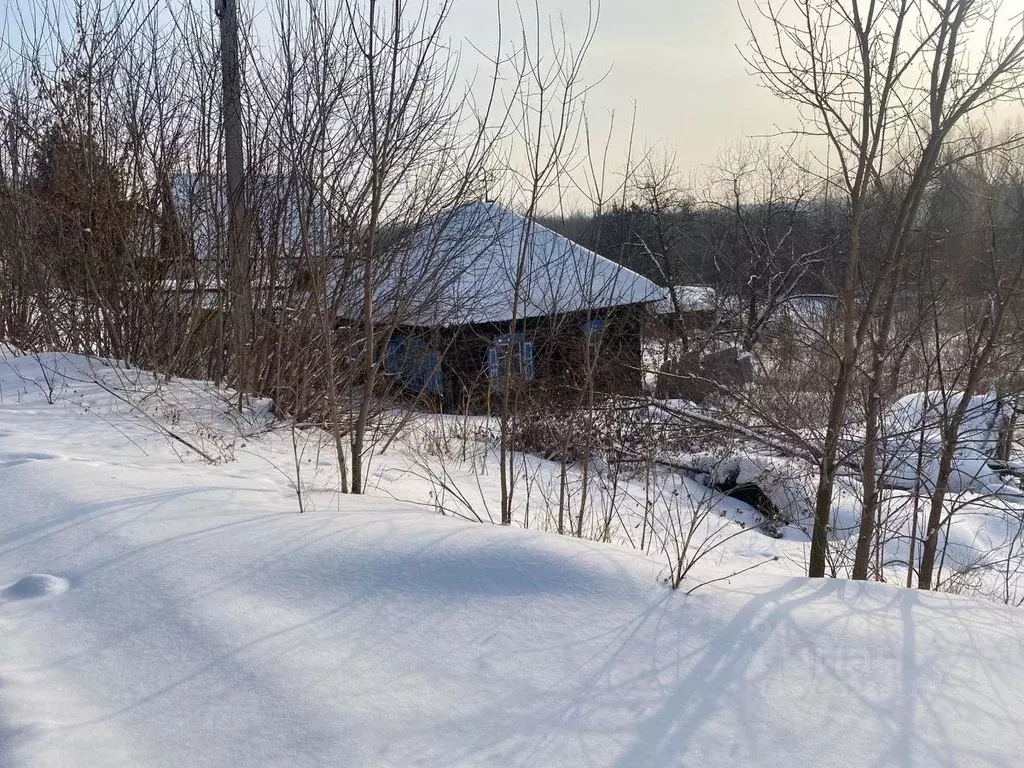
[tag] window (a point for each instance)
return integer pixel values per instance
(593, 332)
(509, 357)
(414, 364)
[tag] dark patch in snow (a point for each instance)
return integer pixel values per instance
(14, 459)
(750, 493)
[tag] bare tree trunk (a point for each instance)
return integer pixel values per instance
(869, 464)
(376, 171)
(950, 439)
(836, 413)
(858, 68)
(238, 235)
(369, 367)
(991, 327)
(562, 482)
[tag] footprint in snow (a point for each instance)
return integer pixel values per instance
(14, 459)
(34, 585)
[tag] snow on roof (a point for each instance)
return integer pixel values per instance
(810, 305)
(462, 267)
(690, 298)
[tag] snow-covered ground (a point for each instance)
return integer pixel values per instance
(159, 609)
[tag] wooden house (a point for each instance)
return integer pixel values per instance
(481, 298)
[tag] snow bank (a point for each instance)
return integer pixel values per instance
(193, 420)
(912, 429)
(210, 624)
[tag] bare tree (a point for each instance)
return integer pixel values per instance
(768, 247)
(546, 115)
(418, 157)
(885, 84)
(986, 323)
(238, 224)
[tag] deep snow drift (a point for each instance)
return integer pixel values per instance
(159, 610)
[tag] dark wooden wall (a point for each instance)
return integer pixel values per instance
(560, 354)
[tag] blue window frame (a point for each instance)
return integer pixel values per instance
(593, 331)
(510, 356)
(414, 364)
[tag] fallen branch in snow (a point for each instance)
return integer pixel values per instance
(160, 427)
(443, 481)
(693, 589)
(807, 452)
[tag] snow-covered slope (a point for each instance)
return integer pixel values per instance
(157, 610)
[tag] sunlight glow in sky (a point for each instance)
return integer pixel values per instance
(681, 62)
(677, 59)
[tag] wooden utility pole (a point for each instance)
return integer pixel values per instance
(239, 283)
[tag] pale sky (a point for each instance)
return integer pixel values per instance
(682, 63)
(677, 59)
